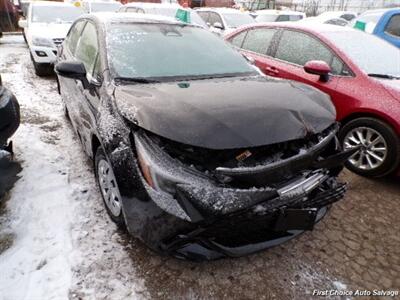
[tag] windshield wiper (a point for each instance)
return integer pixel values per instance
(384, 76)
(136, 79)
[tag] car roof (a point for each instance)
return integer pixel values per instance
(278, 12)
(151, 5)
(377, 11)
(222, 10)
(339, 12)
(114, 17)
(309, 27)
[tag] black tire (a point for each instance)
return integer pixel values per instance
(117, 219)
(42, 70)
(391, 161)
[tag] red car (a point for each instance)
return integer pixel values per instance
(359, 71)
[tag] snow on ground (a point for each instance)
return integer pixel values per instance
(60, 233)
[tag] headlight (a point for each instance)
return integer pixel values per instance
(155, 176)
(43, 42)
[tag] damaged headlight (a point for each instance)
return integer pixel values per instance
(160, 171)
(154, 177)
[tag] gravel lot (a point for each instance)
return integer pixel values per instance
(57, 242)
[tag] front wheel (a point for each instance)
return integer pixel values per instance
(109, 187)
(379, 144)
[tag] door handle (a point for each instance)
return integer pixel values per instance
(272, 71)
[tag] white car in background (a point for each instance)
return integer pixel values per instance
(346, 15)
(45, 28)
(272, 15)
(162, 9)
(100, 6)
(325, 20)
(224, 20)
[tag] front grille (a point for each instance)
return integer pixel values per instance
(253, 227)
(58, 42)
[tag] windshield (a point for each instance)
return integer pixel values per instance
(55, 14)
(169, 52)
(267, 18)
(99, 7)
(372, 54)
(236, 20)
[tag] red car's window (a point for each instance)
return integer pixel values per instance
(258, 40)
(299, 48)
(238, 39)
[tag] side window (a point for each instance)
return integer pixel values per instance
(295, 17)
(204, 15)
(393, 27)
(299, 48)
(213, 18)
(258, 40)
(131, 9)
(282, 18)
(347, 17)
(87, 49)
(238, 39)
(74, 35)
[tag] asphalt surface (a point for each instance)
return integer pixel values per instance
(355, 247)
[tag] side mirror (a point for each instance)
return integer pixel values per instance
(74, 70)
(218, 25)
(23, 23)
(318, 67)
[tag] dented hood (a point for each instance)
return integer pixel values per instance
(227, 113)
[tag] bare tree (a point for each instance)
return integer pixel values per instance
(311, 7)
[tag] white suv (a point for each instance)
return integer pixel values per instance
(45, 28)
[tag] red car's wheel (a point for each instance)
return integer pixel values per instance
(379, 154)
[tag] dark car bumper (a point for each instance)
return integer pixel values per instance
(201, 220)
(204, 244)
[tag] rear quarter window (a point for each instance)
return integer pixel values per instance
(258, 40)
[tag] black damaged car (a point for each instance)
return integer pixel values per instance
(196, 152)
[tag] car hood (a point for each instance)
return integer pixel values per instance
(50, 31)
(227, 113)
(392, 86)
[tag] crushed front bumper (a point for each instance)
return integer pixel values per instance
(227, 221)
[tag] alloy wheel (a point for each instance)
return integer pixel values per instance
(373, 151)
(109, 187)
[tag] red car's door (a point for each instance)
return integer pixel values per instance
(294, 50)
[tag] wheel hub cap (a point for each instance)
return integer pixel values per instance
(373, 151)
(109, 187)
